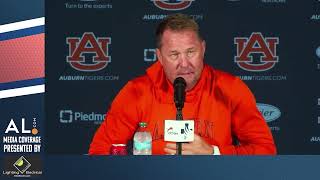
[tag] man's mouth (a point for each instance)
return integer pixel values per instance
(185, 74)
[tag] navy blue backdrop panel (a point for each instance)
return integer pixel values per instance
(185, 167)
(273, 46)
(16, 10)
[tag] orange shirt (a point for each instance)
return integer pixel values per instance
(221, 105)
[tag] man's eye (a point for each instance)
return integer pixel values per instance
(174, 56)
(190, 53)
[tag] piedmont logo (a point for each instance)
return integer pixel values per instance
(256, 44)
(150, 55)
(269, 112)
(87, 45)
(69, 116)
(172, 5)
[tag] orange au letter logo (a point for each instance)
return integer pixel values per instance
(256, 45)
(88, 44)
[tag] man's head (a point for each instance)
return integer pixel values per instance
(180, 48)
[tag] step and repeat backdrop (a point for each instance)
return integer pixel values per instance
(93, 47)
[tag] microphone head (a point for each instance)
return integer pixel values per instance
(179, 85)
(180, 80)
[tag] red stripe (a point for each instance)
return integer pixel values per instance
(22, 58)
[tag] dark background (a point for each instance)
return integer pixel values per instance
(220, 22)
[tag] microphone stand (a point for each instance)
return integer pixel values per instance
(179, 117)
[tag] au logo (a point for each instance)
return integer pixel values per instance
(256, 44)
(172, 5)
(88, 44)
(22, 164)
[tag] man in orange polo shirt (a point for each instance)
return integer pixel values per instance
(220, 104)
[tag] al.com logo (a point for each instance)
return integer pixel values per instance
(172, 5)
(88, 52)
(256, 53)
(12, 127)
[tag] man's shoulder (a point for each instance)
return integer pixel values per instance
(134, 89)
(139, 82)
(226, 81)
(221, 76)
(228, 84)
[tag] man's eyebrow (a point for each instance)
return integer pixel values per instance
(192, 48)
(173, 51)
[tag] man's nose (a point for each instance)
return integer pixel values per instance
(184, 61)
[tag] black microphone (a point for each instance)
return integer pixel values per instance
(179, 92)
(179, 85)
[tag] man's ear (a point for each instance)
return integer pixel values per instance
(203, 44)
(159, 56)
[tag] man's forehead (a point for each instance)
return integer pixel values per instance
(174, 46)
(173, 37)
(173, 33)
(179, 49)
